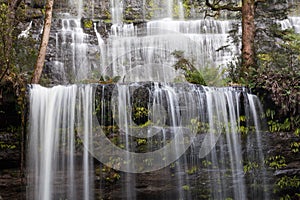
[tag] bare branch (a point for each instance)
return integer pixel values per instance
(216, 6)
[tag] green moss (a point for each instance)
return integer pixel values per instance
(192, 170)
(7, 146)
(88, 24)
(186, 187)
(141, 141)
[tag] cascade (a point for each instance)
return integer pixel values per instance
(166, 118)
(127, 45)
(291, 22)
(152, 135)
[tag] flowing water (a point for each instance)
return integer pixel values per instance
(127, 46)
(154, 138)
(176, 117)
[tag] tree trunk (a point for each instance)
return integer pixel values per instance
(44, 43)
(248, 34)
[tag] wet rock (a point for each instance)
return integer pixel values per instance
(287, 172)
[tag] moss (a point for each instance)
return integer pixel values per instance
(192, 170)
(7, 146)
(88, 24)
(186, 187)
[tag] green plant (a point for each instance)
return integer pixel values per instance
(278, 74)
(192, 170)
(295, 147)
(276, 162)
(287, 187)
(186, 187)
(206, 163)
(285, 124)
(140, 112)
(108, 174)
(250, 166)
(88, 23)
(297, 131)
(141, 141)
(191, 74)
(7, 146)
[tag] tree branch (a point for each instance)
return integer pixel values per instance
(216, 6)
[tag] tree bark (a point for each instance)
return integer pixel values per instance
(248, 34)
(44, 43)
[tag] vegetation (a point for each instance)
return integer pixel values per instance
(279, 76)
(288, 188)
(190, 73)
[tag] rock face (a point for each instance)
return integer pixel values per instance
(10, 148)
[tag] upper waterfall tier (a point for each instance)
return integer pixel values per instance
(126, 46)
(86, 48)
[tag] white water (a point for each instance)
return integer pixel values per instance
(52, 153)
(54, 112)
(25, 33)
(101, 45)
(198, 39)
(292, 22)
(73, 50)
(128, 45)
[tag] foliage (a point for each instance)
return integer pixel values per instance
(88, 23)
(186, 187)
(141, 141)
(250, 166)
(295, 147)
(140, 115)
(213, 76)
(6, 34)
(191, 74)
(206, 163)
(277, 78)
(276, 162)
(110, 175)
(16, 53)
(192, 170)
(288, 187)
(279, 75)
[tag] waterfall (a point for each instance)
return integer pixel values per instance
(291, 22)
(151, 135)
(25, 33)
(164, 117)
(128, 45)
(101, 45)
(53, 172)
(72, 48)
(181, 10)
(198, 39)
